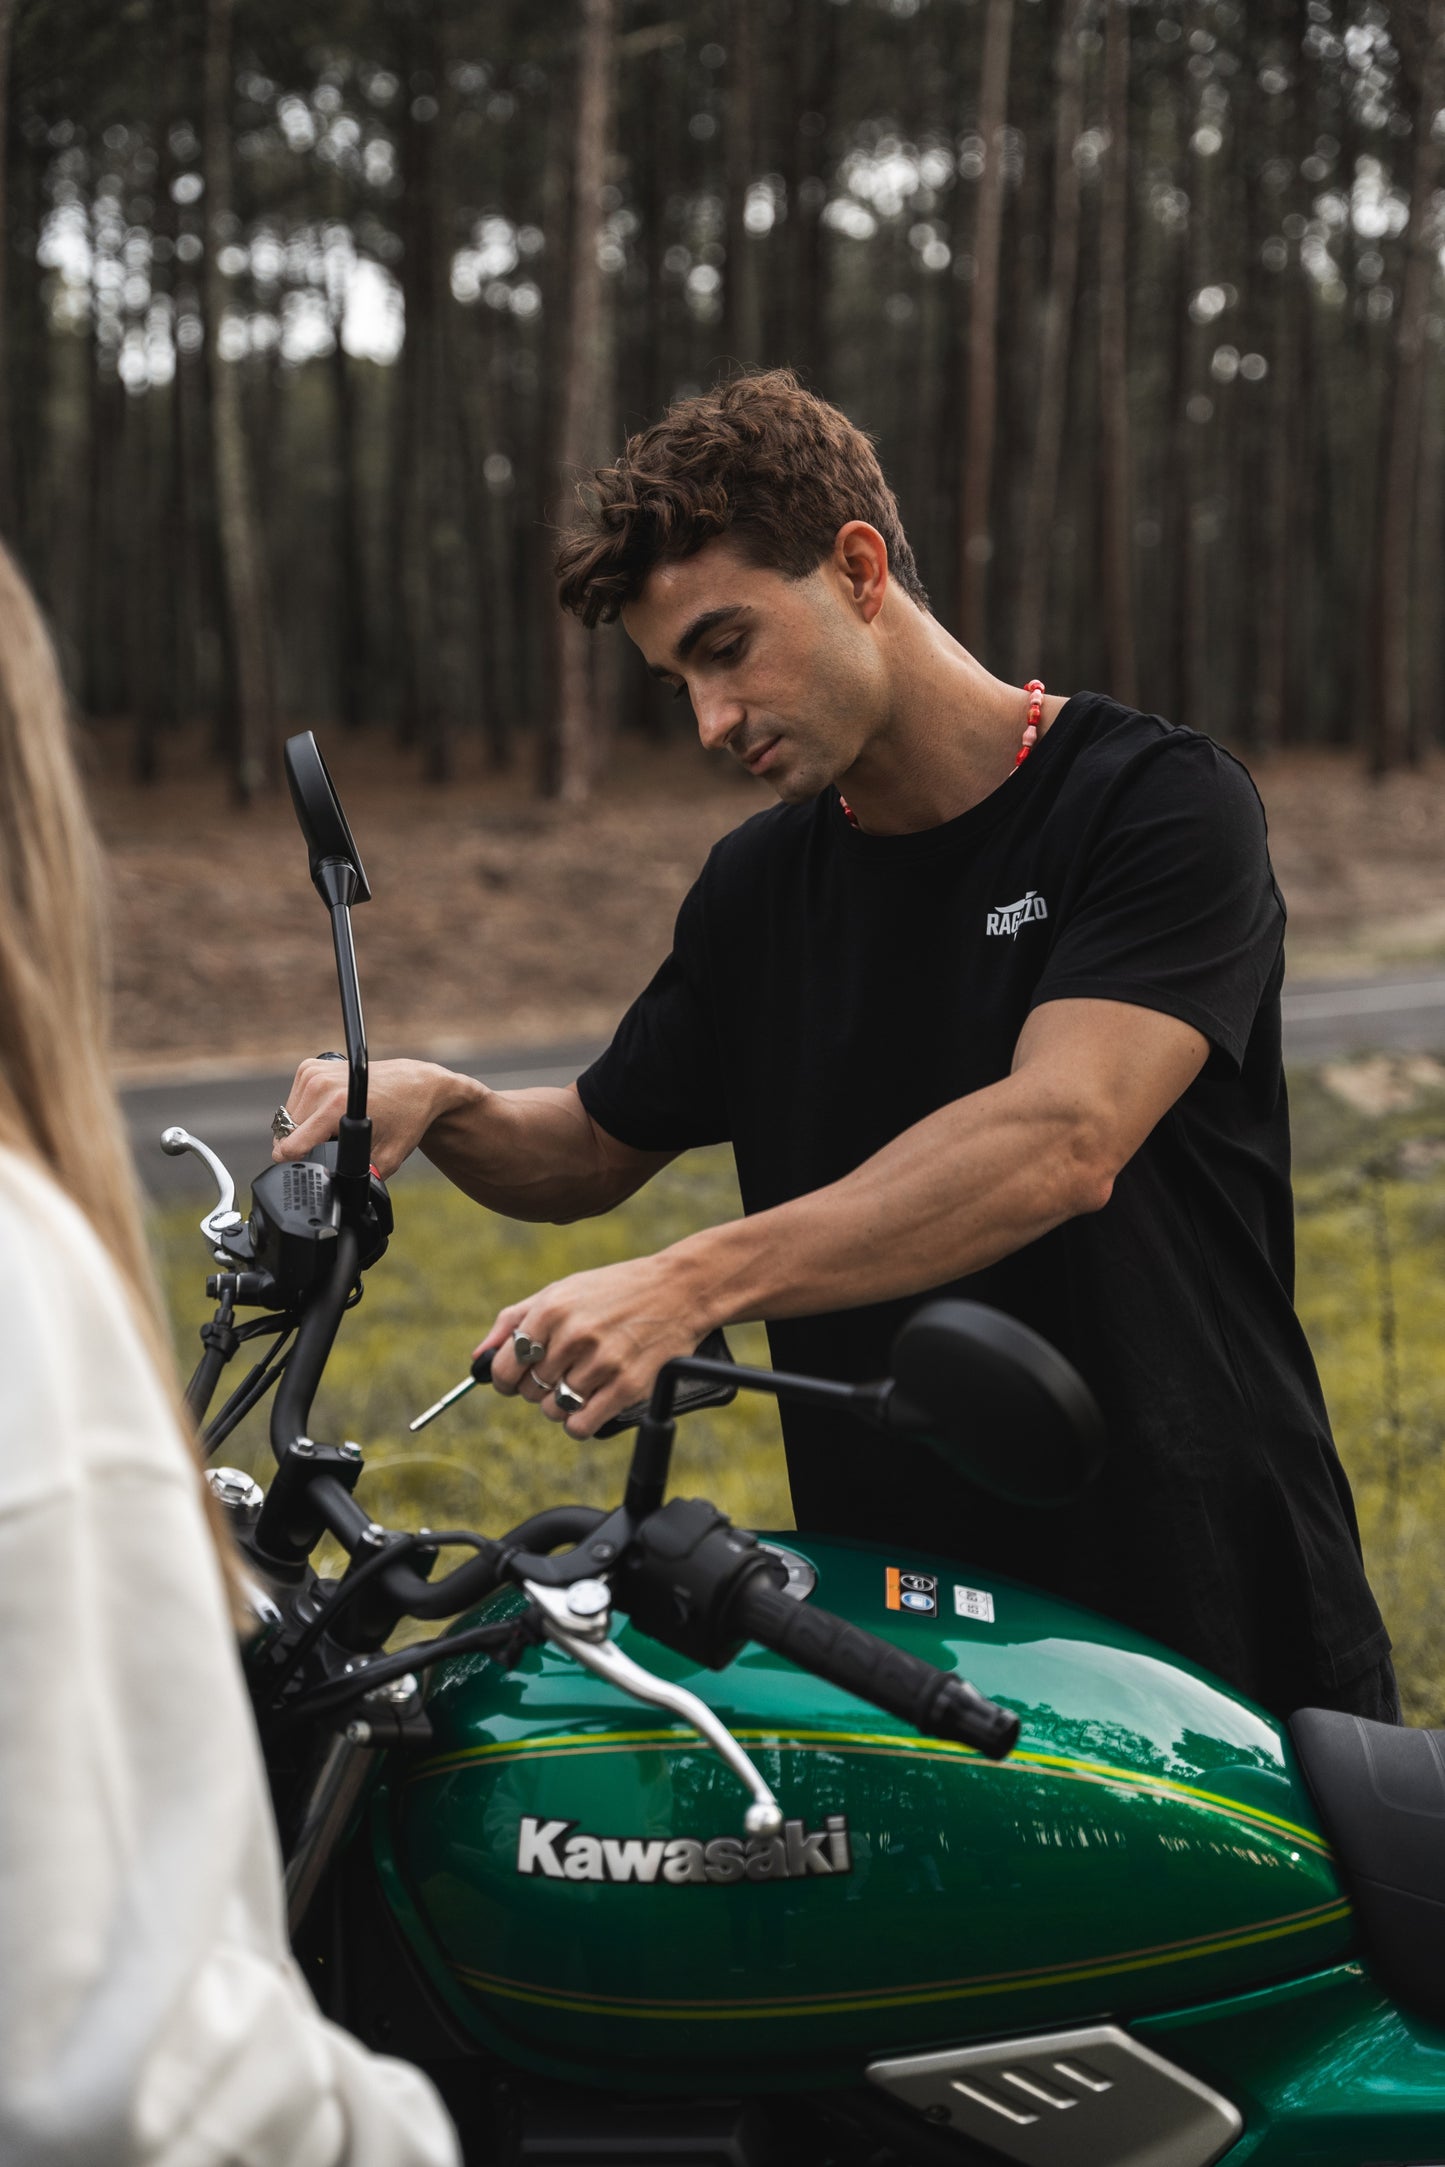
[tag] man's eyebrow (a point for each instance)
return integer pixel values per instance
(704, 624)
(700, 626)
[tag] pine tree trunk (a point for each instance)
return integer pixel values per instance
(1283, 594)
(741, 330)
(350, 606)
(976, 539)
(243, 568)
(1390, 687)
(577, 728)
(817, 67)
(1190, 602)
(8, 508)
(1116, 505)
(1031, 655)
(1428, 709)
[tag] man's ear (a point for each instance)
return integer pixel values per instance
(860, 556)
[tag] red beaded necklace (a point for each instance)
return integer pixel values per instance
(1035, 691)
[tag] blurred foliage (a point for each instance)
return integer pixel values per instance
(1371, 1216)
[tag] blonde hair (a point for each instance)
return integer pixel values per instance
(58, 1104)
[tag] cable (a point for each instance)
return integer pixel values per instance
(252, 1388)
(356, 1581)
(337, 1691)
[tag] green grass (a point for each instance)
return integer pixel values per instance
(1371, 1220)
(1370, 1201)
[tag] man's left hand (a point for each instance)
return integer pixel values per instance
(605, 1334)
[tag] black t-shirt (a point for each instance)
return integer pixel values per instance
(828, 988)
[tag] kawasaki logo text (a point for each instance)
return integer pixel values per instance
(1010, 916)
(564, 1852)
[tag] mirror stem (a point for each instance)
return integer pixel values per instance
(350, 1011)
(338, 882)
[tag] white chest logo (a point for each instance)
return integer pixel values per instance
(1011, 916)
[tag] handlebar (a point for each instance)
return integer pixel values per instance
(933, 1701)
(315, 1337)
(937, 1703)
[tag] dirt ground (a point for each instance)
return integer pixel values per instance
(499, 921)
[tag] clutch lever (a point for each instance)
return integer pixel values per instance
(577, 1620)
(222, 1218)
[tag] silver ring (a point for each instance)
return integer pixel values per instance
(526, 1349)
(543, 1383)
(283, 1123)
(568, 1400)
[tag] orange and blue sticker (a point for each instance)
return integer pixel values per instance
(916, 1592)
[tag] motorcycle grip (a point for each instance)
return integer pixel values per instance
(933, 1700)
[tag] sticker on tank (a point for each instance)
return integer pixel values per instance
(974, 1603)
(917, 1592)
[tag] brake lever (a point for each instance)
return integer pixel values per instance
(223, 1218)
(577, 1620)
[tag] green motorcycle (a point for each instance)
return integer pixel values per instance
(686, 1844)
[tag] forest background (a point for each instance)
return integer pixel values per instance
(312, 314)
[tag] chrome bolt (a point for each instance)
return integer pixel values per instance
(234, 1488)
(358, 1734)
(589, 1598)
(304, 1446)
(396, 1692)
(374, 1535)
(349, 1451)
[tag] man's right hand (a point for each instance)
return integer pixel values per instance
(404, 1098)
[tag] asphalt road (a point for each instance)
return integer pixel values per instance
(233, 1114)
(1322, 1018)
(1402, 1013)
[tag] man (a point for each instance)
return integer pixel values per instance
(1006, 1026)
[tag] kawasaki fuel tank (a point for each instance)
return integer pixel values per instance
(572, 1871)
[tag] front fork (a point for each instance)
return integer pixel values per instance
(332, 1783)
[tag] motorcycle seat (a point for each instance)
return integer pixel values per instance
(1380, 1790)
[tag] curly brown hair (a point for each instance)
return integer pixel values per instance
(759, 459)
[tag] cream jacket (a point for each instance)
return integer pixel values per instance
(150, 2012)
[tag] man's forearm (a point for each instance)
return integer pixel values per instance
(527, 1154)
(963, 1187)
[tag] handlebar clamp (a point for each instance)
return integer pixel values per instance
(290, 1525)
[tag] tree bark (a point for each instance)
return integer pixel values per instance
(1390, 675)
(576, 719)
(741, 326)
(1116, 493)
(817, 39)
(243, 568)
(976, 540)
(7, 455)
(1428, 710)
(350, 604)
(1282, 583)
(1053, 387)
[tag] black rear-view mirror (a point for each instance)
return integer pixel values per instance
(318, 809)
(998, 1403)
